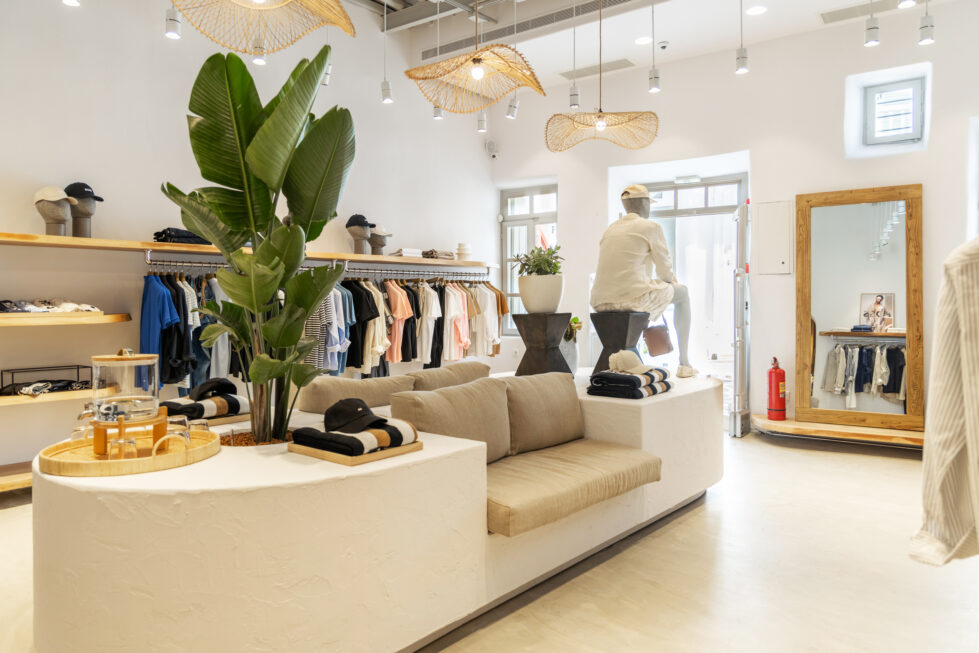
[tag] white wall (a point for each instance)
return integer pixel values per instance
(841, 238)
(97, 94)
(788, 112)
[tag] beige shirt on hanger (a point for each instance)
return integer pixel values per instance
(950, 484)
(632, 286)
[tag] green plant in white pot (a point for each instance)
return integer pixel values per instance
(253, 154)
(541, 283)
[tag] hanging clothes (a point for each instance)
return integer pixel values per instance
(157, 315)
(400, 311)
(438, 329)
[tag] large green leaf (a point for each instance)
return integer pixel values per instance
(227, 114)
(254, 286)
(231, 316)
(288, 244)
(309, 288)
(296, 72)
(319, 169)
(304, 346)
(264, 368)
(199, 218)
(286, 328)
(275, 142)
(302, 374)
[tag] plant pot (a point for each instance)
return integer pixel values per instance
(541, 293)
(569, 349)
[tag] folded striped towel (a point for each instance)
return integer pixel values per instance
(393, 433)
(623, 392)
(625, 380)
(215, 406)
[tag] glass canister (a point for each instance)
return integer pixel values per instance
(125, 385)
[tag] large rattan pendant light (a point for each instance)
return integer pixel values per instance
(630, 129)
(473, 81)
(260, 27)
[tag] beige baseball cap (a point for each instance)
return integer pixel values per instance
(53, 194)
(635, 191)
(627, 362)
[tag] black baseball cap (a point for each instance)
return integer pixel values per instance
(350, 416)
(356, 220)
(81, 190)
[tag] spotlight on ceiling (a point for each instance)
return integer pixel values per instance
(71, 3)
(871, 33)
(172, 30)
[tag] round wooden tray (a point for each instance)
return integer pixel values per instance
(77, 458)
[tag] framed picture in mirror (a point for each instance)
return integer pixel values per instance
(877, 310)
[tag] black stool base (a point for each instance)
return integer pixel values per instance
(617, 330)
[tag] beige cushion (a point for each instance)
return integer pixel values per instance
(443, 377)
(540, 487)
(544, 411)
(326, 390)
(475, 411)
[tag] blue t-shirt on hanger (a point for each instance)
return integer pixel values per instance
(157, 314)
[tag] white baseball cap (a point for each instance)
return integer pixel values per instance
(380, 231)
(53, 194)
(627, 362)
(635, 191)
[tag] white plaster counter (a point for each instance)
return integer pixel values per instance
(260, 549)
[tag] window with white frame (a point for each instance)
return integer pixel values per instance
(894, 112)
(529, 220)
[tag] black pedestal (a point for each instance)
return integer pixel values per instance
(617, 331)
(541, 334)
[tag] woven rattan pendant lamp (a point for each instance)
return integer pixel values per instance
(474, 81)
(629, 129)
(259, 27)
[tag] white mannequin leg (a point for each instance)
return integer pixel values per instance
(681, 322)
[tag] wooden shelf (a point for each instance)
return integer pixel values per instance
(68, 395)
(63, 319)
(108, 244)
(864, 334)
(14, 477)
(864, 434)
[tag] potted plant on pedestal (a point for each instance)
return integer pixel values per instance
(254, 154)
(541, 283)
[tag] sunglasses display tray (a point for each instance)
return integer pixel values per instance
(350, 461)
(77, 458)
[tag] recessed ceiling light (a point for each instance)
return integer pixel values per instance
(906, 4)
(644, 40)
(756, 10)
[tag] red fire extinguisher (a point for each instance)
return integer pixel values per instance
(776, 392)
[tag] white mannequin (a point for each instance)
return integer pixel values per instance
(622, 282)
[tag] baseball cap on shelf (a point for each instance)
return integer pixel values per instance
(80, 190)
(635, 191)
(53, 194)
(350, 416)
(357, 220)
(380, 231)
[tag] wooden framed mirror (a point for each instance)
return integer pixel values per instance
(859, 309)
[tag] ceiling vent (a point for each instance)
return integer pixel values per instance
(858, 11)
(591, 71)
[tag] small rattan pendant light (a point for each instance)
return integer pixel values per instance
(630, 129)
(260, 28)
(473, 81)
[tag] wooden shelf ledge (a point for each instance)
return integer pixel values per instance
(15, 477)
(864, 334)
(62, 319)
(47, 397)
(864, 434)
(108, 244)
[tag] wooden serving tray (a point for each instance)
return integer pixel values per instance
(77, 458)
(230, 419)
(350, 461)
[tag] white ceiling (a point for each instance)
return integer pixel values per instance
(693, 28)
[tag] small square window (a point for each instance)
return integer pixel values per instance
(545, 203)
(518, 205)
(893, 113)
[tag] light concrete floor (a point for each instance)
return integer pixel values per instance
(802, 547)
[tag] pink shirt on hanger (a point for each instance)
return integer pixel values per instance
(401, 311)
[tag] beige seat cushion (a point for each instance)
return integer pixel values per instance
(443, 377)
(544, 411)
(541, 487)
(475, 411)
(325, 391)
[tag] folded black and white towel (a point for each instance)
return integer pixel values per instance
(627, 380)
(623, 392)
(216, 406)
(392, 433)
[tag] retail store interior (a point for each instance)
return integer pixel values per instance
(489, 325)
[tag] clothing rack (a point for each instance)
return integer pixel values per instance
(412, 270)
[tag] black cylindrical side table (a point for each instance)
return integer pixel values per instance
(541, 334)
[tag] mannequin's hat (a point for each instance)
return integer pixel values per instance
(635, 191)
(53, 194)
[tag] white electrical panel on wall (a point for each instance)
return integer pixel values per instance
(773, 238)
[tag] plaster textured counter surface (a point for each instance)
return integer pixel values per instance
(259, 549)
